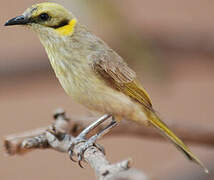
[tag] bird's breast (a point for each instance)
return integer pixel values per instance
(76, 77)
(82, 83)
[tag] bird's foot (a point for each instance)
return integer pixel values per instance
(81, 138)
(87, 143)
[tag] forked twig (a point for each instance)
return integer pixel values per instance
(59, 136)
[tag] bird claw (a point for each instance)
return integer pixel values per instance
(80, 160)
(76, 141)
(71, 153)
(87, 143)
(81, 138)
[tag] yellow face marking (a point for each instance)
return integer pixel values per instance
(67, 30)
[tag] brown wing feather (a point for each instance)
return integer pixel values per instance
(116, 73)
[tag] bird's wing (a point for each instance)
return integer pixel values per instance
(117, 74)
(111, 67)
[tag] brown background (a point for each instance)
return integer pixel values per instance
(169, 43)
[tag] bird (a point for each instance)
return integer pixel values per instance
(93, 74)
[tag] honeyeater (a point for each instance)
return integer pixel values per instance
(91, 72)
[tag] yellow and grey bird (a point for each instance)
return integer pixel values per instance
(92, 73)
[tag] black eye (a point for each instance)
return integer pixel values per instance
(44, 16)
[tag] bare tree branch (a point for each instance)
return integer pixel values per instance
(192, 134)
(59, 137)
(65, 130)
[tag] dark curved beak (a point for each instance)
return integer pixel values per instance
(19, 20)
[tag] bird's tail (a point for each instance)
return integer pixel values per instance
(163, 128)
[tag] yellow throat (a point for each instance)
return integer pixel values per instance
(67, 30)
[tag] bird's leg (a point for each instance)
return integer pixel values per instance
(91, 141)
(82, 136)
(94, 125)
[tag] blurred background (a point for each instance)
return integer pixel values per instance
(169, 43)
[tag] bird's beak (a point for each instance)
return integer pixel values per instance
(19, 20)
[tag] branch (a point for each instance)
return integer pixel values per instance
(192, 134)
(59, 137)
(43, 139)
(97, 160)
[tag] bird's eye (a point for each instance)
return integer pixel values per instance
(44, 16)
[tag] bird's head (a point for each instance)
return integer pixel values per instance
(45, 17)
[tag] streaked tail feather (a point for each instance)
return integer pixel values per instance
(163, 128)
